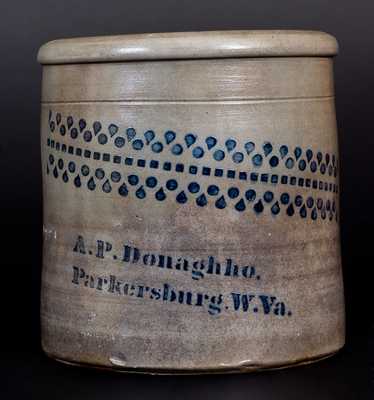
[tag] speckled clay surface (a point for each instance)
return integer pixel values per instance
(191, 201)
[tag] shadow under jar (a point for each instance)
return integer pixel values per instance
(191, 201)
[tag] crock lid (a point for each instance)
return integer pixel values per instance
(188, 45)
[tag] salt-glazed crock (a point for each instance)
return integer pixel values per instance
(191, 201)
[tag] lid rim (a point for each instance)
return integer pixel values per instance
(189, 45)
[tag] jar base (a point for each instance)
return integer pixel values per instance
(239, 369)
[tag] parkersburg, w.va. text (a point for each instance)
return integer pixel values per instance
(250, 303)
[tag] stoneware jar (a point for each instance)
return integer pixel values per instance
(191, 201)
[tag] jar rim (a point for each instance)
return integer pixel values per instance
(189, 45)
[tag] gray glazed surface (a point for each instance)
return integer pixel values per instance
(191, 206)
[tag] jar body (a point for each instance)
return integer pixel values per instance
(191, 214)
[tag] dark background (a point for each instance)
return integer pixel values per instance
(24, 26)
